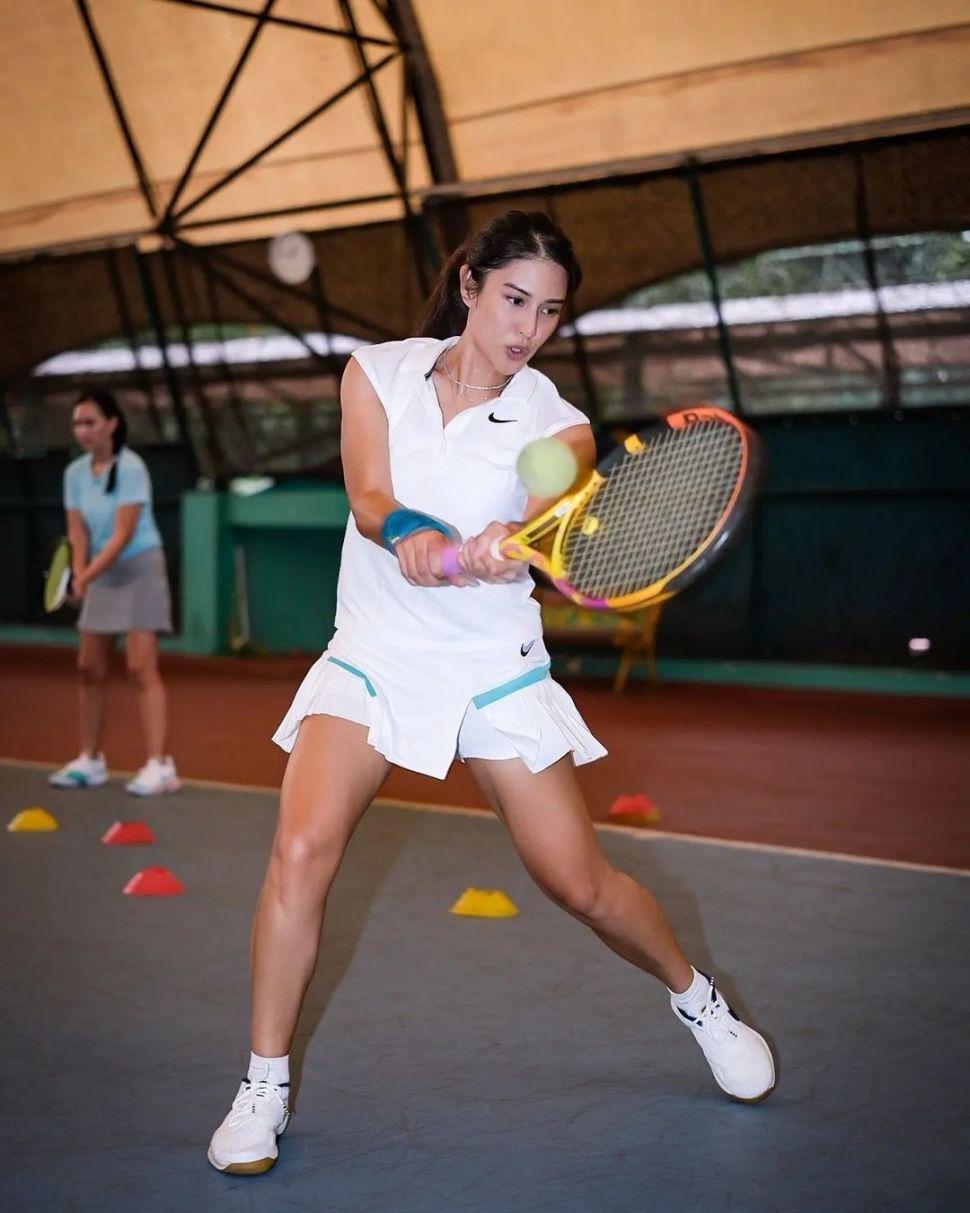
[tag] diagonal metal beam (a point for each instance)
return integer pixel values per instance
(260, 308)
(258, 27)
(374, 102)
(119, 110)
(418, 237)
(309, 26)
(220, 256)
(274, 143)
(282, 212)
(407, 88)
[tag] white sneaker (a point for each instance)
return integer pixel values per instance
(245, 1142)
(81, 772)
(156, 777)
(738, 1056)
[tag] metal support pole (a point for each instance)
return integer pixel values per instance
(890, 362)
(6, 424)
(235, 401)
(124, 315)
(216, 459)
(723, 335)
(580, 352)
(425, 261)
(171, 379)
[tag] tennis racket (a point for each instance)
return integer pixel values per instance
(649, 519)
(57, 582)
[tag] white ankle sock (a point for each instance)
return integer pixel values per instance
(269, 1069)
(694, 997)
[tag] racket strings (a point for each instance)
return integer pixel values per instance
(655, 510)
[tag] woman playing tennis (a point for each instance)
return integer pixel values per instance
(425, 667)
(121, 584)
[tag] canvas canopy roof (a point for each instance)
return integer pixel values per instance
(150, 125)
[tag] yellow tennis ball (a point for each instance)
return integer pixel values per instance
(547, 467)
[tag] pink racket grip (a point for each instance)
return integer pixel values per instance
(449, 562)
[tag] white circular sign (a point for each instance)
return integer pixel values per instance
(292, 257)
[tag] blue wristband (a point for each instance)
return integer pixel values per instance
(401, 523)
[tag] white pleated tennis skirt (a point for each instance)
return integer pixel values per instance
(422, 722)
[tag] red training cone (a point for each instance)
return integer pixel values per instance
(634, 810)
(154, 882)
(128, 833)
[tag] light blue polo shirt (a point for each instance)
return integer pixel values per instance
(85, 492)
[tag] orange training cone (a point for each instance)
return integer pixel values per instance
(128, 833)
(154, 882)
(637, 810)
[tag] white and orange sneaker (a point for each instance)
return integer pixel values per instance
(156, 777)
(739, 1056)
(245, 1142)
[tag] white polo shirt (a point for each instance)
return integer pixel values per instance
(462, 473)
(430, 671)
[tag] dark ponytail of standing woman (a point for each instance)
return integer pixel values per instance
(109, 408)
(514, 236)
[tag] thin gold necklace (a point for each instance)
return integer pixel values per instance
(471, 387)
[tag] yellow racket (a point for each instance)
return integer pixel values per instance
(57, 581)
(649, 519)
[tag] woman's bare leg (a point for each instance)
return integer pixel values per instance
(554, 837)
(92, 664)
(331, 777)
(141, 650)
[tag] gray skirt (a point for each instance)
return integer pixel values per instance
(130, 596)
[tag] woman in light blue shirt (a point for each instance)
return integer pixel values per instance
(120, 583)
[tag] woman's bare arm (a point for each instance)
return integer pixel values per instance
(126, 519)
(77, 534)
(367, 478)
(364, 452)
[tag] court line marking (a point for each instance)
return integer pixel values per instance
(641, 834)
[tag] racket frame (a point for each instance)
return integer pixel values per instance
(558, 518)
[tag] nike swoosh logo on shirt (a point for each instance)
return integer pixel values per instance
(501, 420)
(524, 649)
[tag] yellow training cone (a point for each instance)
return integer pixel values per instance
(35, 818)
(484, 903)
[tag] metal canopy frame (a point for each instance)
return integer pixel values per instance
(173, 218)
(432, 219)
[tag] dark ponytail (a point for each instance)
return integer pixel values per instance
(109, 409)
(514, 236)
(445, 312)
